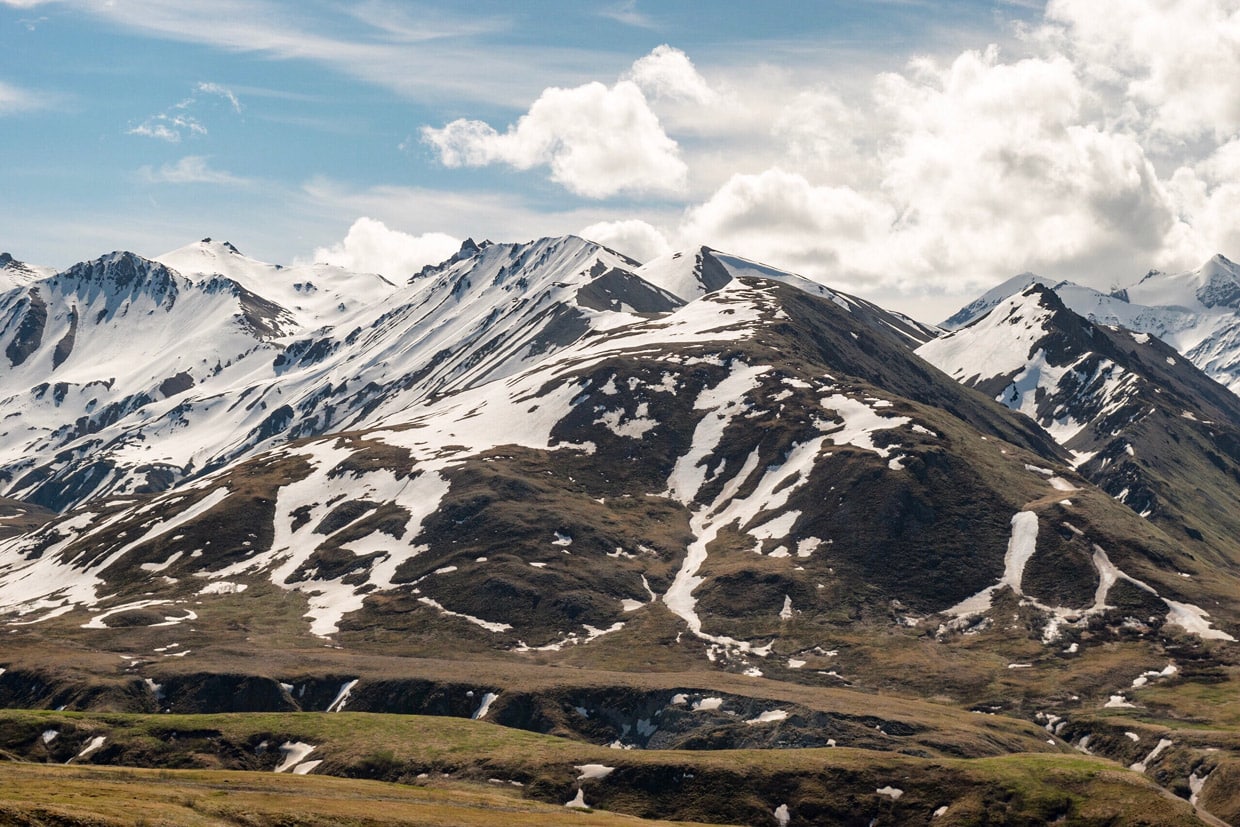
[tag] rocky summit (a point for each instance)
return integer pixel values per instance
(852, 568)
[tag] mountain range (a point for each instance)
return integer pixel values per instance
(549, 486)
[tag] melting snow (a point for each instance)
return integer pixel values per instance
(593, 771)
(782, 816)
(893, 793)
(1020, 549)
(1196, 784)
(861, 422)
(342, 697)
(579, 802)
(485, 706)
(707, 704)
(485, 624)
(1141, 766)
(223, 587)
(92, 746)
(771, 717)
(294, 753)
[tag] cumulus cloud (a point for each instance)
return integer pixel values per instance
(1176, 64)
(668, 73)
(598, 141)
(372, 247)
(192, 169)
(632, 237)
(780, 217)
(992, 165)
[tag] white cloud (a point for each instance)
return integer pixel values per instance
(668, 73)
(992, 165)
(371, 247)
(598, 141)
(632, 237)
(781, 218)
(170, 128)
(224, 92)
(177, 122)
(984, 168)
(1176, 63)
(626, 12)
(192, 169)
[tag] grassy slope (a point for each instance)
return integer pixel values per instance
(818, 785)
(64, 796)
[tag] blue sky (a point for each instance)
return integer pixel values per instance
(910, 151)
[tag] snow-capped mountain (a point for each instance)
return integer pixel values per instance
(541, 455)
(14, 273)
(531, 443)
(1196, 312)
(1140, 420)
(127, 376)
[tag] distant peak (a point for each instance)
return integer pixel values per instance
(6, 259)
(223, 244)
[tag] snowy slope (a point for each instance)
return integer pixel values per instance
(690, 275)
(98, 353)
(986, 302)
(1141, 421)
(548, 469)
(14, 273)
(1196, 312)
(314, 295)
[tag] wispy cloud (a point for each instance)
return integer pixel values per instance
(381, 43)
(14, 100)
(177, 122)
(192, 169)
(215, 89)
(627, 13)
(170, 128)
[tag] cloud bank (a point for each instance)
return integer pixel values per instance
(371, 247)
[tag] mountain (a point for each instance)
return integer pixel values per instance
(1140, 420)
(1196, 312)
(249, 371)
(698, 503)
(14, 273)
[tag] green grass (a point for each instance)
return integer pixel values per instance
(722, 786)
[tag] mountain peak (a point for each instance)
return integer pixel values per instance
(992, 298)
(222, 245)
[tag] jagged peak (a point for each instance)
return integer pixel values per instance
(124, 270)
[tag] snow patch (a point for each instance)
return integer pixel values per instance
(294, 753)
(485, 706)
